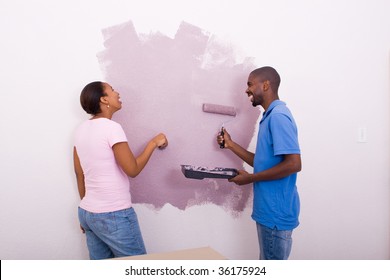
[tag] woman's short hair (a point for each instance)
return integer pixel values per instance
(90, 97)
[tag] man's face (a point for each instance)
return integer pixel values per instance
(254, 91)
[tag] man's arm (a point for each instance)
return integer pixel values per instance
(291, 164)
(243, 154)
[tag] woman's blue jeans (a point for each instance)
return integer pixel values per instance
(274, 244)
(112, 234)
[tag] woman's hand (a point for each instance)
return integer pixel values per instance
(161, 141)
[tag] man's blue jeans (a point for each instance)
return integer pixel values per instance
(112, 234)
(274, 244)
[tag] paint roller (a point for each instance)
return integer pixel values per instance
(219, 109)
(222, 110)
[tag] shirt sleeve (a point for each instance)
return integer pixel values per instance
(284, 135)
(117, 134)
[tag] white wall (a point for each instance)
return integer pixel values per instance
(334, 61)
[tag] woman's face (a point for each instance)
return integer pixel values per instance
(112, 97)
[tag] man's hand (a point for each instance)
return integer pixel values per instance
(224, 138)
(243, 178)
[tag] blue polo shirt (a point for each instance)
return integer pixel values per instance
(276, 202)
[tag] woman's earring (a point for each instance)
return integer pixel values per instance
(108, 106)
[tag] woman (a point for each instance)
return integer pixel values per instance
(103, 161)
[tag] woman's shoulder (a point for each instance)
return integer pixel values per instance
(111, 125)
(104, 121)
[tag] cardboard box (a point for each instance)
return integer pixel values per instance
(204, 253)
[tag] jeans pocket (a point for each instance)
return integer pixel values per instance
(104, 223)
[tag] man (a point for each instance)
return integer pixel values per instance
(276, 163)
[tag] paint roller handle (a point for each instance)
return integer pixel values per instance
(222, 143)
(224, 140)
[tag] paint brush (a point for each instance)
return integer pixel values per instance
(220, 109)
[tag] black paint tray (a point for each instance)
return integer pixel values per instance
(200, 172)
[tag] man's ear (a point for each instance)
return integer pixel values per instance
(266, 85)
